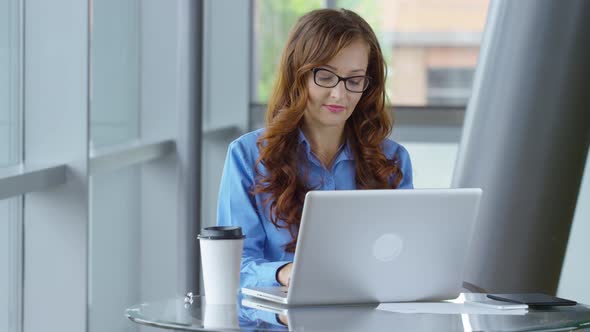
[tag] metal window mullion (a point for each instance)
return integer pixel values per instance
(19, 182)
(137, 153)
(15, 181)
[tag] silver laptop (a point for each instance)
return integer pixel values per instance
(372, 246)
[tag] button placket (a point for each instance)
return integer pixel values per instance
(329, 181)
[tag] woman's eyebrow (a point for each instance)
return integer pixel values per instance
(352, 71)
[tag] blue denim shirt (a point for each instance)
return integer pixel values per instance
(264, 250)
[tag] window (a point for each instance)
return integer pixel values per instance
(95, 176)
(114, 200)
(114, 110)
(430, 46)
(449, 86)
(272, 22)
(9, 84)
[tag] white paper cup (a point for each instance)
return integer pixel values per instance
(220, 316)
(221, 255)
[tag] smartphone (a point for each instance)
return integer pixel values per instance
(532, 299)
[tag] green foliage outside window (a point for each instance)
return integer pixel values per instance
(373, 14)
(274, 19)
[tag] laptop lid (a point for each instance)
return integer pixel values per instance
(367, 246)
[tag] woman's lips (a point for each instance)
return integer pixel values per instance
(335, 108)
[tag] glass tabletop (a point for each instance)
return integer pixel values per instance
(256, 315)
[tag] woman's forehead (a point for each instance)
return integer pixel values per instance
(353, 58)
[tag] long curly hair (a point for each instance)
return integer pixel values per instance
(315, 39)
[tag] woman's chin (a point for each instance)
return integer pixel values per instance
(334, 120)
(333, 124)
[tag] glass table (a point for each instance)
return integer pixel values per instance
(192, 314)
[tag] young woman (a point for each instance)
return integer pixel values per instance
(326, 129)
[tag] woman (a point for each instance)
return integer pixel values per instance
(326, 129)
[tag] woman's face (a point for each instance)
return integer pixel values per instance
(331, 107)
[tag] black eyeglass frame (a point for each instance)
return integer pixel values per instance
(340, 78)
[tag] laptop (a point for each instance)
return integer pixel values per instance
(374, 246)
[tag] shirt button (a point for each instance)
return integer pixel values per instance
(330, 182)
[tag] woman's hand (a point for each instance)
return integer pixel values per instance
(283, 319)
(284, 274)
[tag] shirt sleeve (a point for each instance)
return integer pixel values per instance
(406, 167)
(257, 319)
(237, 207)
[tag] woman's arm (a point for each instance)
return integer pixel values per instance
(237, 207)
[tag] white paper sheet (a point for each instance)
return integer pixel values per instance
(445, 308)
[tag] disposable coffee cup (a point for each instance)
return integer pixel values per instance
(221, 255)
(220, 316)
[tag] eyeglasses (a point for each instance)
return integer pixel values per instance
(327, 79)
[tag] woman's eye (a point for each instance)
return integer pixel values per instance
(355, 82)
(325, 78)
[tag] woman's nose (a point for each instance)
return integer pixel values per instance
(338, 91)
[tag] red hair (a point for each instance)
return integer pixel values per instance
(316, 38)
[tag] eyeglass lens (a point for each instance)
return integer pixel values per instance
(328, 79)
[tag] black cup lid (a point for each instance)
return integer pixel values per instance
(221, 233)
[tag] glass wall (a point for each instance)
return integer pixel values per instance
(9, 83)
(114, 111)
(10, 263)
(431, 47)
(115, 224)
(133, 210)
(115, 276)
(10, 148)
